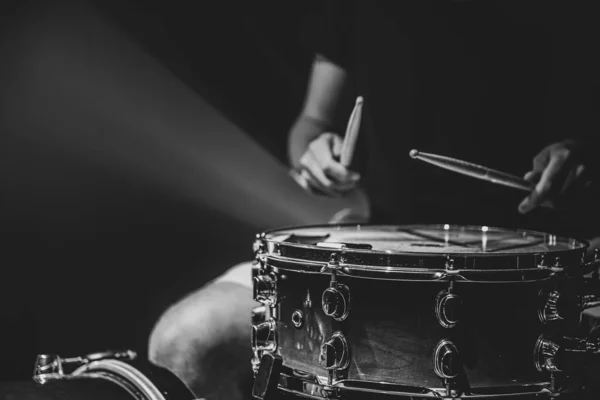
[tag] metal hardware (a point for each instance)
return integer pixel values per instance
(267, 377)
(415, 271)
(383, 262)
(449, 263)
(547, 349)
(336, 301)
(297, 318)
(339, 246)
(549, 311)
(556, 305)
(446, 362)
(264, 336)
(47, 367)
(544, 355)
(590, 294)
(52, 366)
(265, 289)
(334, 353)
(596, 260)
(259, 246)
(259, 315)
(305, 385)
(558, 266)
(447, 308)
(589, 301)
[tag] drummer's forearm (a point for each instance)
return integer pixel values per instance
(325, 87)
(304, 130)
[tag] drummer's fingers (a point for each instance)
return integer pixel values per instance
(550, 181)
(539, 164)
(336, 145)
(572, 177)
(541, 160)
(324, 151)
(339, 174)
(533, 176)
(315, 176)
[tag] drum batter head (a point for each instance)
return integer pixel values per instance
(364, 249)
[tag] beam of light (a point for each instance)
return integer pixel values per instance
(81, 87)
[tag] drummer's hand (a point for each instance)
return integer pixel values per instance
(321, 169)
(557, 169)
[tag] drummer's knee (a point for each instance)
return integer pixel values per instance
(172, 344)
(220, 311)
(205, 337)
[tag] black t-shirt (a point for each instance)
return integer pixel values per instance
(491, 82)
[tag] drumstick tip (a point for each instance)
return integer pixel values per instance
(414, 153)
(359, 100)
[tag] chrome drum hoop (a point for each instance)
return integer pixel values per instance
(141, 380)
(361, 261)
(308, 386)
(122, 374)
(395, 272)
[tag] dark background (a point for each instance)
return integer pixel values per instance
(142, 146)
(105, 218)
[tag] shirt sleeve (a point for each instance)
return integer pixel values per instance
(329, 31)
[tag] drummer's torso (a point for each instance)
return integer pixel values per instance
(488, 82)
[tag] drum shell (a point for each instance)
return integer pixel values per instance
(392, 330)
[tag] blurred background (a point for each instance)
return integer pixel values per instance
(142, 149)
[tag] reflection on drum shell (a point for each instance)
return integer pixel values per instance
(392, 330)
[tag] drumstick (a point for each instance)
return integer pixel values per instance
(351, 135)
(348, 145)
(474, 170)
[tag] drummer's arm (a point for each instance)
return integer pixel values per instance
(325, 88)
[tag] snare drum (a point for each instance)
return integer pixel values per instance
(99, 376)
(420, 311)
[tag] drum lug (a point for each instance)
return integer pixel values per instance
(446, 361)
(447, 308)
(555, 305)
(264, 336)
(548, 348)
(544, 355)
(447, 366)
(334, 353)
(448, 303)
(265, 289)
(335, 357)
(335, 301)
(259, 315)
(567, 304)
